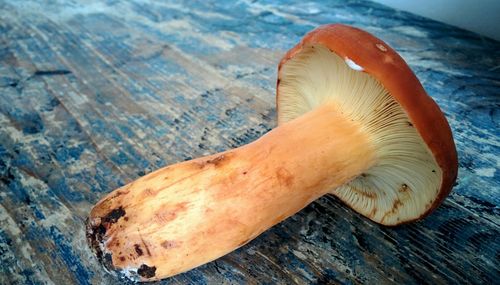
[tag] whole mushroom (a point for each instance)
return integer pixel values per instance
(353, 121)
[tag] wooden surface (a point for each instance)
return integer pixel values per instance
(93, 96)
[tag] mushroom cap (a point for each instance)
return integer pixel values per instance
(369, 58)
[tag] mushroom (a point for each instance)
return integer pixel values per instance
(353, 121)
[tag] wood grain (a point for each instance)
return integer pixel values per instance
(94, 94)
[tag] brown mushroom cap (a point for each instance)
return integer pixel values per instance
(366, 54)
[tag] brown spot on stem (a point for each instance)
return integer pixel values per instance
(243, 242)
(113, 216)
(147, 248)
(155, 174)
(168, 213)
(138, 250)
(120, 193)
(285, 178)
(164, 216)
(279, 219)
(113, 243)
(182, 206)
(167, 244)
(144, 243)
(122, 258)
(146, 271)
(216, 161)
(148, 192)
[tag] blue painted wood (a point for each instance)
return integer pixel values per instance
(95, 94)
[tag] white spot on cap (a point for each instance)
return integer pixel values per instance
(353, 65)
(381, 47)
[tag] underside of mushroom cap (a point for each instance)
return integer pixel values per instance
(414, 170)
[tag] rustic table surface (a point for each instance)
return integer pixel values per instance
(94, 94)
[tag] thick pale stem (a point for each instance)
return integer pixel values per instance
(190, 213)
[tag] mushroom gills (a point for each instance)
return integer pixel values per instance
(405, 178)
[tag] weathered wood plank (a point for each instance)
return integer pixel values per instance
(95, 95)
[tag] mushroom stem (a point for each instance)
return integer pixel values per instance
(187, 214)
